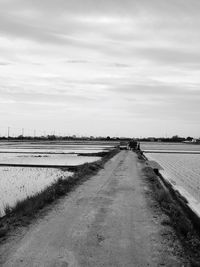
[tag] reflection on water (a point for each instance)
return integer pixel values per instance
(45, 159)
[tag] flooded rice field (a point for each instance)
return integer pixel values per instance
(181, 169)
(169, 147)
(55, 147)
(45, 159)
(17, 183)
(50, 150)
(51, 153)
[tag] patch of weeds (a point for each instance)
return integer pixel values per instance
(3, 230)
(140, 155)
(149, 173)
(166, 221)
(7, 209)
(162, 195)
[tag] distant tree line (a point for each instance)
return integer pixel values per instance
(55, 137)
(174, 138)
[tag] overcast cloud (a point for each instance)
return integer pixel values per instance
(112, 67)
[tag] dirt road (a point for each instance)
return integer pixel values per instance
(105, 222)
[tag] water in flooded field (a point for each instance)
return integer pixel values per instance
(45, 159)
(176, 147)
(181, 169)
(17, 183)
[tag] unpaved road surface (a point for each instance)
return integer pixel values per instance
(106, 221)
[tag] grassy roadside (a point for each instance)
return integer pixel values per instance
(99, 154)
(177, 216)
(26, 210)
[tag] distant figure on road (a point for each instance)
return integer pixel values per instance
(133, 144)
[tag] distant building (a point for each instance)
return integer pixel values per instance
(195, 140)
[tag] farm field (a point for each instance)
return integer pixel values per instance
(169, 147)
(181, 169)
(17, 183)
(50, 150)
(45, 159)
(50, 153)
(55, 147)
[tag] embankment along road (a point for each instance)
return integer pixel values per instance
(109, 220)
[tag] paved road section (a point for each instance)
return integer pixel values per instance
(105, 222)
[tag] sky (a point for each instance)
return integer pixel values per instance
(100, 67)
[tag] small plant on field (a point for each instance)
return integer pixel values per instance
(7, 209)
(162, 195)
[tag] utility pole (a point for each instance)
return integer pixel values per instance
(22, 132)
(8, 132)
(34, 133)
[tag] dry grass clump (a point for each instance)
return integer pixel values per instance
(3, 230)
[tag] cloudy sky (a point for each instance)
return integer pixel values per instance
(109, 67)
